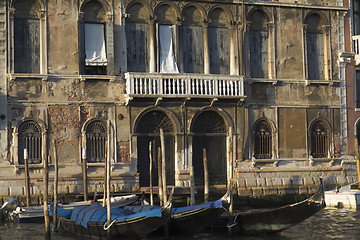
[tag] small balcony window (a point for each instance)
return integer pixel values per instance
(96, 142)
(30, 139)
(319, 140)
(262, 140)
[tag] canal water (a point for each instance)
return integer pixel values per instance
(329, 223)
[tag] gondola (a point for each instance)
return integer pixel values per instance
(189, 220)
(91, 221)
(277, 219)
(36, 213)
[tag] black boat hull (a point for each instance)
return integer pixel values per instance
(134, 228)
(278, 219)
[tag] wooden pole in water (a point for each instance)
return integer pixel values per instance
(150, 174)
(84, 174)
(45, 198)
(27, 177)
(163, 165)
(105, 180)
(357, 157)
(55, 186)
(160, 177)
(206, 177)
(108, 176)
(192, 186)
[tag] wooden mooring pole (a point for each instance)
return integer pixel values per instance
(108, 176)
(150, 174)
(27, 177)
(84, 174)
(163, 165)
(206, 177)
(45, 198)
(55, 187)
(160, 177)
(357, 157)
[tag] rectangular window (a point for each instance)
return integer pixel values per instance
(95, 49)
(167, 60)
(258, 54)
(357, 89)
(137, 47)
(27, 45)
(219, 50)
(315, 56)
(356, 17)
(192, 46)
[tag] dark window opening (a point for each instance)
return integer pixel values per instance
(152, 121)
(30, 139)
(262, 140)
(319, 140)
(96, 138)
(356, 17)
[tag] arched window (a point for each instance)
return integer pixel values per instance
(192, 41)
(209, 122)
(26, 36)
(137, 38)
(94, 44)
(30, 139)
(96, 138)
(259, 45)
(262, 140)
(152, 121)
(315, 47)
(218, 38)
(319, 140)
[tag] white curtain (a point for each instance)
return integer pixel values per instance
(95, 45)
(167, 57)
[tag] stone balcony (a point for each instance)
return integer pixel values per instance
(170, 85)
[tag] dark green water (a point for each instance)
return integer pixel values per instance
(329, 223)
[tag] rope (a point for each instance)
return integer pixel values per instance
(54, 230)
(107, 227)
(234, 221)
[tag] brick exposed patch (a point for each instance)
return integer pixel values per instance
(124, 151)
(64, 128)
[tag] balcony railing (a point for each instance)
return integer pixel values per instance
(183, 85)
(356, 48)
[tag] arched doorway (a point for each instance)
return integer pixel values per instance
(209, 133)
(148, 130)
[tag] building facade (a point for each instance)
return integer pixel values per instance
(257, 84)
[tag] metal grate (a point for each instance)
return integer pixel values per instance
(262, 140)
(209, 122)
(96, 142)
(30, 138)
(152, 121)
(319, 139)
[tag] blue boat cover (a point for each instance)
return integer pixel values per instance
(96, 213)
(61, 212)
(212, 204)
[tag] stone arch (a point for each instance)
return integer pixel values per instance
(167, 13)
(210, 134)
(146, 130)
(139, 11)
(263, 139)
(28, 8)
(30, 134)
(193, 14)
(315, 20)
(219, 17)
(320, 138)
(107, 7)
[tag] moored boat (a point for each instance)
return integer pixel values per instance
(193, 219)
(278, 219)
(36, 213)
(91, 221)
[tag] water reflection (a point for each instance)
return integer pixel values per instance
(329, 223)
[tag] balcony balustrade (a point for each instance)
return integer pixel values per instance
(184, 85)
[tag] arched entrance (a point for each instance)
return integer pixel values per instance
(148, 130)
(209, 133)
